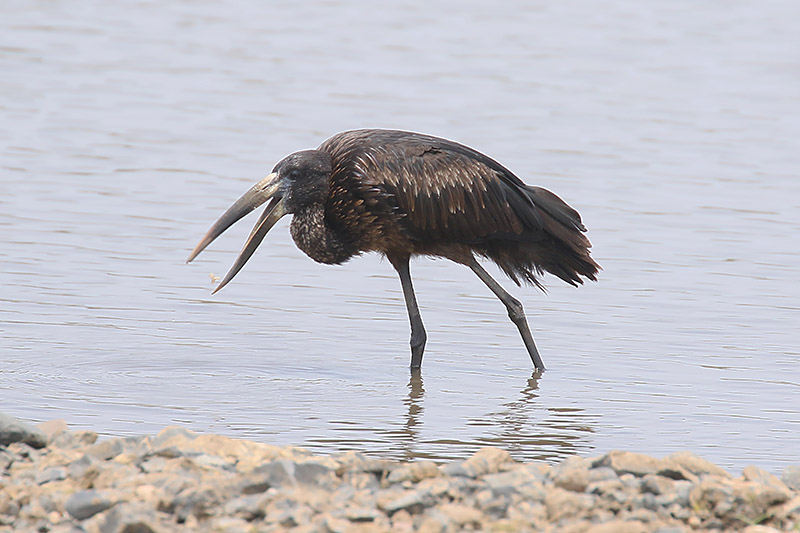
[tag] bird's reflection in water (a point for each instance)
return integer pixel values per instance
(407, 445)
(530, 431)
(524, 427)
(416, 392)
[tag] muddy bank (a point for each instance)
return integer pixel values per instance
(54, 479)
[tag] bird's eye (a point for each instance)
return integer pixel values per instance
(294, 174)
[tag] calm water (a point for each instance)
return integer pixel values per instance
(128, 127)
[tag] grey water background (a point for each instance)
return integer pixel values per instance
(128, 127)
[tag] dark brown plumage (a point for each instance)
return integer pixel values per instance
(404, 194)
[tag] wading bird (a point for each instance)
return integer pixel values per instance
(405, 194)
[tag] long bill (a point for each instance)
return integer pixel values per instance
(262, 191)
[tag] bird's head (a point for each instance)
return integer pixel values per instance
(304, 178)
(297, 182)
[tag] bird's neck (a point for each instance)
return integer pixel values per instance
(314, 236)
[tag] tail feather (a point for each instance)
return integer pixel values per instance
(558, 245)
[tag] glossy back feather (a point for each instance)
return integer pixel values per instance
(403, 192)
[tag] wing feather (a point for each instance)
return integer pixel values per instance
(443, 190)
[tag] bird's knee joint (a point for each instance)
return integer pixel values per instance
(418, 338)
(515, 311)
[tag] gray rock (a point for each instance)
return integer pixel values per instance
(197, 502)
(5, 460)
(575, 479)
(631, 481)
(484, 461)
(249, 507)
(87, 503)
(130, 517)
(637, 464)
(791, 477)
(170, 432)
(52, 428)
(358, 462)
(108, 449)
(275, 473)
(605, 487)
(361, 514)
(227, 524)
(644, 501)
(310, 473)
(414, 472)
(491, 503)
(679, 463)
(413, 501)
(682, 490)
(284, 472)
(14, 430)
(153, 464)
(213, 462)
(562, 504)
(657, 485)
(78, 468)
(22, 452)
(74, 439)
(509, 482)
(54, 473)
(455, 469)
(253, 484)
(712, 496)
(601, 473)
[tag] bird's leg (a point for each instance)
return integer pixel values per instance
(515, 311)
(418, 335)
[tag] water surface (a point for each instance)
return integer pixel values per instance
(129, 127)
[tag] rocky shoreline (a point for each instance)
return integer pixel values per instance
(58, 480)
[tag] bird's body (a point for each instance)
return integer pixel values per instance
(405, 194)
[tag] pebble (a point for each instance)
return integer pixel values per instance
(57, 480)
(791, 477)
(86, 503)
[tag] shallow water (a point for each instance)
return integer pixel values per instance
(129, 127)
